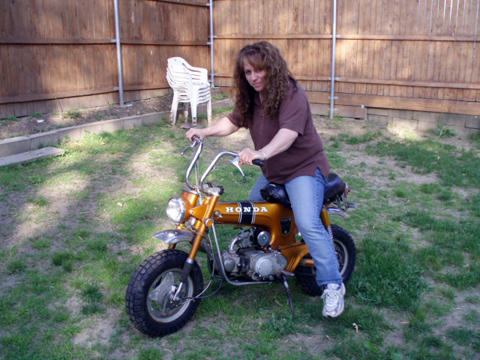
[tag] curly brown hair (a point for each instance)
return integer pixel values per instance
(261, 55)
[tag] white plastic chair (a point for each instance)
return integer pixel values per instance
(190, 86)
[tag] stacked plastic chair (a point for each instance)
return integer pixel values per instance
(190, 86)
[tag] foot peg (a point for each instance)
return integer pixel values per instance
(349, 205)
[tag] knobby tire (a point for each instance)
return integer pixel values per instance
(148, 273)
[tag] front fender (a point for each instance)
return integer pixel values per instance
(176, 236)
(172, 237)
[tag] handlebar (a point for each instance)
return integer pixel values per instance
(258, 162)
(234, 162)
(196, 141)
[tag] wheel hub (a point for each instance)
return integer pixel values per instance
(164, 295)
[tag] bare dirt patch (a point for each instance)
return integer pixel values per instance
(46, 122)
(99, 330)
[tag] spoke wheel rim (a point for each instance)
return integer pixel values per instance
(342, 256)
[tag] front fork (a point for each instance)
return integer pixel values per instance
(201, 230)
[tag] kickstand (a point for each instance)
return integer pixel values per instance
(287, 289)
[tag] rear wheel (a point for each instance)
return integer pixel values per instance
(153, 305)
(346, 255)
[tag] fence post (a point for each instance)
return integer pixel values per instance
(119, 53)
(334, 45)
(212, 74)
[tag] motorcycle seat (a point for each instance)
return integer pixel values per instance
(334, 188)
(276, 193)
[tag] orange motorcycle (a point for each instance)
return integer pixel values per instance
(167, 287)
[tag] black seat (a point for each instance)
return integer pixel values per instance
(334, 187)
(276, 193)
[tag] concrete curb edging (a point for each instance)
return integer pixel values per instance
(23, 144)
(24, 157)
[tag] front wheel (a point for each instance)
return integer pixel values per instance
(153, 305)
(346, 255)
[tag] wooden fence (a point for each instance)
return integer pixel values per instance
(398, 54)
(58, 54)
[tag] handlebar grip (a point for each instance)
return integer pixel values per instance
(258, 162)
(196, 138)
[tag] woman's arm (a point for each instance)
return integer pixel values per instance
(280, 142)
(222, 128)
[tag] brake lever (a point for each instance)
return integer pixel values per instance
(236, 162)
(192, 145)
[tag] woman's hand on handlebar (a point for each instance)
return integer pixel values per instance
(247, 155)
(195, 132)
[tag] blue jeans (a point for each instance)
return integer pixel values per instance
(306, 197)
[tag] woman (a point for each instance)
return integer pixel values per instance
(275, 109)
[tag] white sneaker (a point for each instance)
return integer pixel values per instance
(333, 303)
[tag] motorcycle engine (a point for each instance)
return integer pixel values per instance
(245, 257)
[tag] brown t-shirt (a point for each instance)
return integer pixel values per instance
(306, 153)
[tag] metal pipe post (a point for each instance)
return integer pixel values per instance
(119, 52)
(334, 45)
(212, 74)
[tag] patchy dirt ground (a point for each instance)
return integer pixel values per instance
(31, 221)
(101, 330)
(45, 122)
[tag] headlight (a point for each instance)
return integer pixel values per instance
(176, 210)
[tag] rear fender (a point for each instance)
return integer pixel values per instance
(337, 212)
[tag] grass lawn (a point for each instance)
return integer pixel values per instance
(74, 228)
